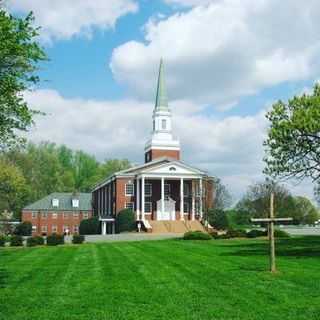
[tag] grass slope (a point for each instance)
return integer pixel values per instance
(161, 280)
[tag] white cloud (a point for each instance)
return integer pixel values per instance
(190, 3)
(217, 53)
(63, 19)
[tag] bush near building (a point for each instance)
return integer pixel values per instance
(16, 241)
(2, 241)
(125, 221)
(90, 226)
(55, 239)
(78, 239)
(256, 233)
(196, 235)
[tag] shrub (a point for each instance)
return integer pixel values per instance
(196, 235)
(90, 226)
(125, 221)
(223, 236)
(55, 239)
(256, 233)
(2, 241)
(32, 242)
(78, 238)
(233, 233)
(16, 241)
(218, 219)
(281, 234)
(39, 239)
(23, 229)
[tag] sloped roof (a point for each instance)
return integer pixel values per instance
(161, 96)
(65, 202)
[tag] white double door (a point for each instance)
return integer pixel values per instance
(169, 212)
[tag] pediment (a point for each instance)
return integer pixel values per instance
(173, 168)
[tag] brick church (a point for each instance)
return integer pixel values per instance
(165, 193)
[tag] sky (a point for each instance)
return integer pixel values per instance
(226, 62)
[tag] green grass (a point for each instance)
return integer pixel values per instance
(222, 279)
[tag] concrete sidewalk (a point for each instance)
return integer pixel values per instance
(128, 237)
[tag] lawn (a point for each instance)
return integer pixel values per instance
(171, 279)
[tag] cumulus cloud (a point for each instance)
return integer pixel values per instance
(63, 19)
(219, 51)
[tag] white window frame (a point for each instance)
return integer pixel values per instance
(44, 228)
(34, 228)
(75, 214)
(65, 215)
(55, 203)
(65, 228)
(145, 190)
(54, 215)
(125, 191)
(85, 215)
(44, 215)
(131, 205)
(145, 204)
(75, 203)
(54, 228)
(76, 229)
(34, 214)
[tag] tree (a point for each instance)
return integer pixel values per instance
(218, 219)
(293, 143)
(222, 197)
(23, 229)
(306, 212)
(19, 57)
(13, 189)
(90, 226)
(125, 220)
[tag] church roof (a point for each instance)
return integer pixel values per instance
(161, 97)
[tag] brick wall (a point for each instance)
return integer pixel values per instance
(156, 153)
(57, 219)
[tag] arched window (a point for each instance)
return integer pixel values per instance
(164, 124)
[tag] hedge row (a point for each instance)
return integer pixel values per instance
(199, 235)
(52, 240)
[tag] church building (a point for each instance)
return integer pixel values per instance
(164, 188)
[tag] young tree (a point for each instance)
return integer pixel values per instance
(293, 143)
(222, 197)
(19, 57)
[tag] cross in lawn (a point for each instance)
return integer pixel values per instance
(271, 221)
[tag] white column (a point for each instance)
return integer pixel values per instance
(138, 199)
(104, 228)
(142, 198)
(113, 228)
(162, 196)
(201, 198)
(193, 191)
(181, 200)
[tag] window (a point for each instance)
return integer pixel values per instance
(34, 214)
(65, 215)
(164, 124)
(172, 169)
(148, 189)
(55, 202)
(147, 207)
(34, 228)
(76, 215)
(75, 203)
(44, 215)
(66, 229)
(54, 216)
(129, 189)
(44, 229)
(85, 215)
(186, 207)
(130, 205)
(75, 229)
(54, 228)
(186, 189)
(166, 191)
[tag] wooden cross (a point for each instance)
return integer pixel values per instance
(271, 221)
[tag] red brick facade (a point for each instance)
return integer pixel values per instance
(48, 222)
(158, 153)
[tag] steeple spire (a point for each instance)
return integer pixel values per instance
(161, 98)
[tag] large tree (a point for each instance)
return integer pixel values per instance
(293, 143)
(20, 55)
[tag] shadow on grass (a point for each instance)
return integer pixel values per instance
(3, 278)
(308, 246)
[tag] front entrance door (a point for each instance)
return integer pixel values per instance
(169, 212)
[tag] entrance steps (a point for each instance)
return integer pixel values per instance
(176, 226)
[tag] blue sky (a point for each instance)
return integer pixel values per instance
(226, 62)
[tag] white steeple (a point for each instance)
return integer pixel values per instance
(162, 138)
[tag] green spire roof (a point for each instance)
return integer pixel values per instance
(161, 98)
